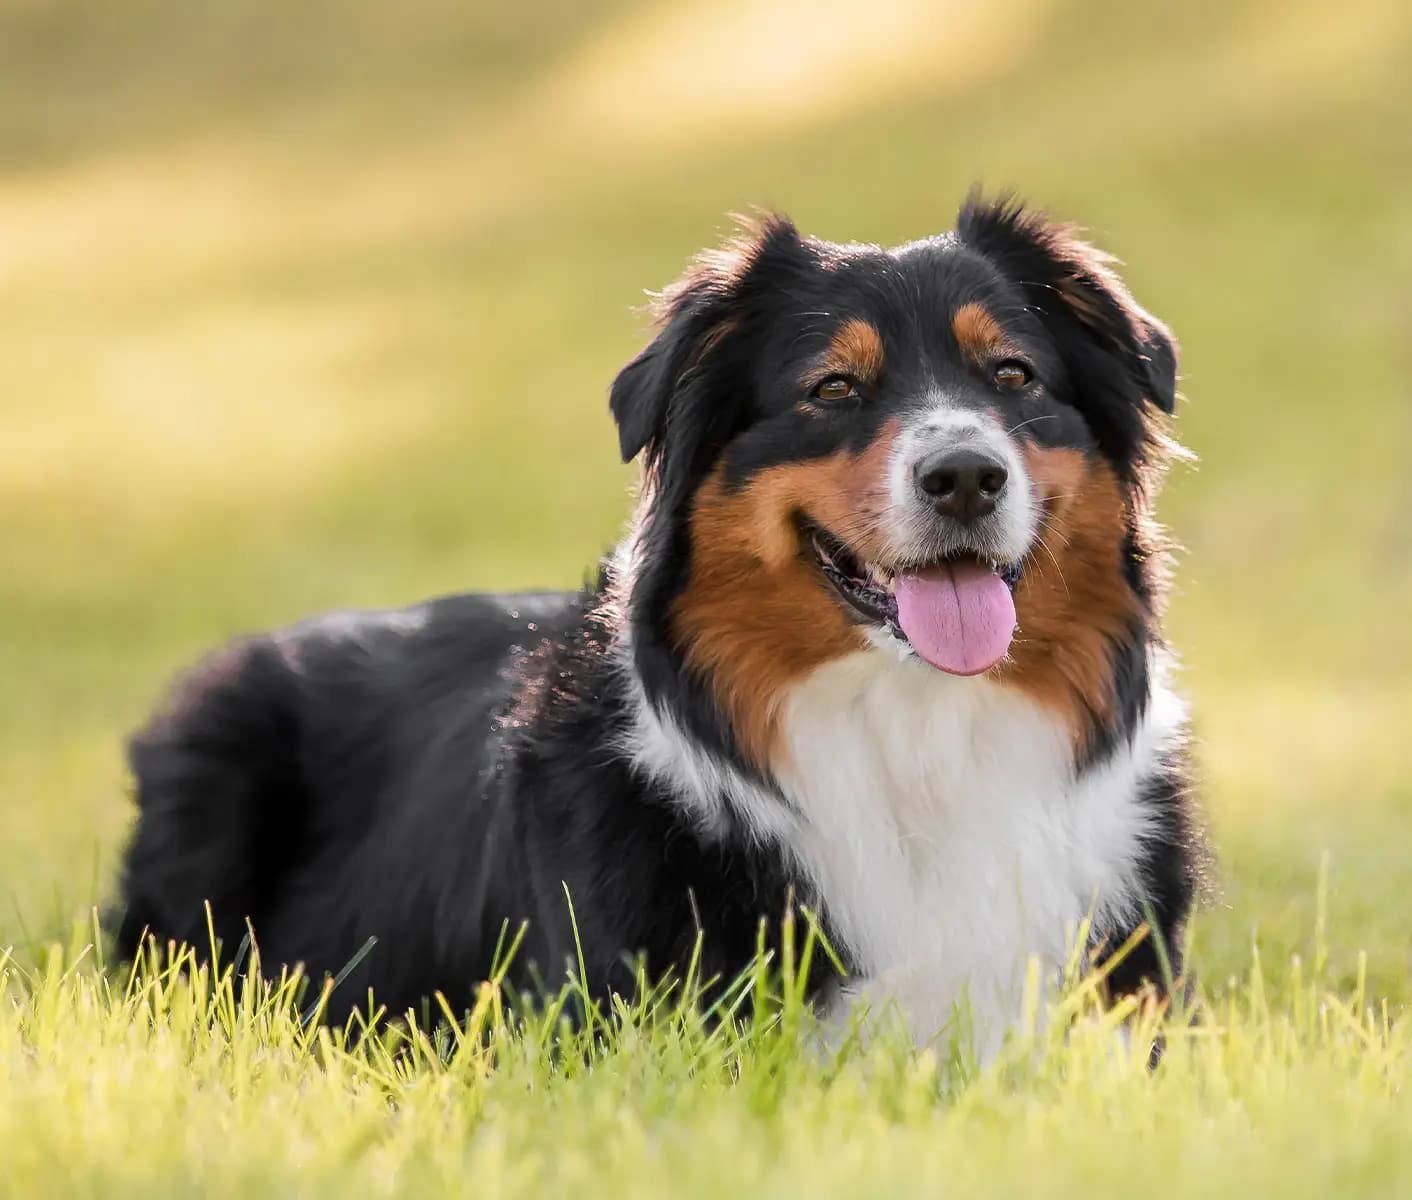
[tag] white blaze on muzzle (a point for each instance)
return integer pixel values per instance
(959, 613)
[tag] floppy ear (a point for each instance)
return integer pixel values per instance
(1119, 355)
(692, 315)
(701, 322)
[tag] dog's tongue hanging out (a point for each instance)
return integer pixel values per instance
(959, 616)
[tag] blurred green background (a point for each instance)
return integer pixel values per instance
(316, 305)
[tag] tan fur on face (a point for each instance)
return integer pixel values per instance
(979, 334)
(856, 350)
(1073, 600)
(756, 614)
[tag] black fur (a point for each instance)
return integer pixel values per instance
(336, 782)
(1172, 874)
(427, 775)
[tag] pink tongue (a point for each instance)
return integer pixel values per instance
(959, 617)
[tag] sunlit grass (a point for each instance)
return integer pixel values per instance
(175, 1078)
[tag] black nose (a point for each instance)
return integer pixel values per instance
(961, 484)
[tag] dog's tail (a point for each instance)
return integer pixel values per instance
(219, 801)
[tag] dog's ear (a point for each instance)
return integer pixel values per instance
(702, 325)
(692, 315)
(1119, 356)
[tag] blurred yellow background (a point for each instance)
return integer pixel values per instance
(316, 305)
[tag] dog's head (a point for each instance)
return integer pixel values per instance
(938, 452)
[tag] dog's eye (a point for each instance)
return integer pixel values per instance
(834, 388)
(1011, 375)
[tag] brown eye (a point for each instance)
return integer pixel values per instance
(1011, 375)
(835, 387)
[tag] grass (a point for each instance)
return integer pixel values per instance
(163, 1082)
(317, 306)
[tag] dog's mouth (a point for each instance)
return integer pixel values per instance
(956, 612)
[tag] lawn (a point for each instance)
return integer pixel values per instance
(312, 306)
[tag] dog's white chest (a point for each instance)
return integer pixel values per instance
(949, 842)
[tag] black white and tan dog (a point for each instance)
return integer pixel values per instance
(882, 640)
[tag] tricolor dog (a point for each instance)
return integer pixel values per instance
(882, 639)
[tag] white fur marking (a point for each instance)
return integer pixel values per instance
(714, 793)
(947, 835)
(940, 823)
(940, 426)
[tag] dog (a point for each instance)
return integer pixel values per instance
(882, 640)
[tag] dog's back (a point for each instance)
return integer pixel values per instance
(315, 782)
